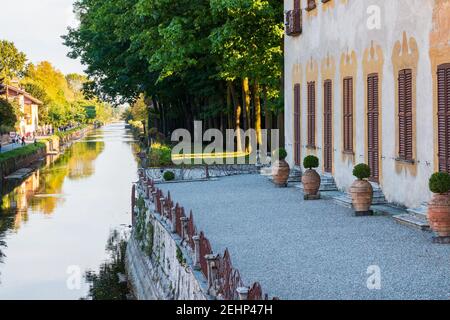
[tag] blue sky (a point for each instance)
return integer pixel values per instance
(36, 26)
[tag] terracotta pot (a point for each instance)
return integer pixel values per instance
(311, 182)
(280, 173)
(362, 195)
(439, 214)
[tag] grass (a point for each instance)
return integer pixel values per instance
(21, 152)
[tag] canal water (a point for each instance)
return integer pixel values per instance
(54, 226)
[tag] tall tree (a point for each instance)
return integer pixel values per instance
(12, 61)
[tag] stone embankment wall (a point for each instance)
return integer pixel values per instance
(158, 265)
(168, 259)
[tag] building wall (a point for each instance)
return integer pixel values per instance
(337, 42)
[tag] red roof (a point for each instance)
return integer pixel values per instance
(6, 89)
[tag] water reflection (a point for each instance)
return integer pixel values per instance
(62, 214)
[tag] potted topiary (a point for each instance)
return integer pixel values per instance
(439, 206)
(311, 179)
(169, 176)
(280, 168)
(361, 190)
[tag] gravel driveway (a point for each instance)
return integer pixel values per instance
(302, 249)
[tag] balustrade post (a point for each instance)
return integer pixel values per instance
(212, 260)
(243, 293)
(174, 219)
(184, 226)
(196, 240)
(161, 205)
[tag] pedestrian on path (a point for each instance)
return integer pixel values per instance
(23, 141)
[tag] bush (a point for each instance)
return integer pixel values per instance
(362, 171)
(160, 155)
(280, 154)
(169, 176)
(440, 183)
(311, 162)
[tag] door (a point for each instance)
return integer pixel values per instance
(297, 119)
(443, 79)
(373, 116)
(328, 127)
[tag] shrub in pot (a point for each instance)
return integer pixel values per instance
(361, 190)
(311, 179)
(169, 176)
(439, 206)
(280, 168)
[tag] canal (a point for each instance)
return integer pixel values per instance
(54, 225)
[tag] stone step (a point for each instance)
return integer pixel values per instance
(420, 212)
(344, 200)
(266, 171)
(295, 175)
(412, 221)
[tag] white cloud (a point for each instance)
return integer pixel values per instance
(36, 27)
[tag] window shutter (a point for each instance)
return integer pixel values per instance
(373, 118)
(297, 119)
(405, 121)
(311, 114)
(443, 78)
(328, 129)
(348, 114)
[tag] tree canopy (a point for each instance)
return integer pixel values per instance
(12, 61)
(190, 59)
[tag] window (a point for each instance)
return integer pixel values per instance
(443, 78)
(405, 115)
(294, 20)
(297, 118)
(348, 114)
(311, 115)
(311, 5)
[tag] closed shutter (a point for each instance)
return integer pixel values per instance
(443, 78)
(348, 114)
(373, 126)
(297, 118)
(328, 129)
(311, 114)
(405, 115)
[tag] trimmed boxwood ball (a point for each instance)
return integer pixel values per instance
(311, 162)
(362, 171)
(169, 176)
(280, 154)
(440, 183)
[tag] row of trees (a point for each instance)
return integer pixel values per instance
(64, 102)
(219, 61)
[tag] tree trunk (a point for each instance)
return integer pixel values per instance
(237, 111)
(247, 101)
(257, 102)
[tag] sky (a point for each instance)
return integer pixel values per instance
(36, 26)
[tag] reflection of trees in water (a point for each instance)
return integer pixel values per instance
(106, 283)
(76, 163)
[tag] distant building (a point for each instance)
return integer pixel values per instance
(29, 106)
(368, 81)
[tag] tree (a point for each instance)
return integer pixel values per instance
(9, 113)
(211, 60)
(12, 61)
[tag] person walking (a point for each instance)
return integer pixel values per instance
(23, 141)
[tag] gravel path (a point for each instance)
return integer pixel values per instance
(313, 249)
